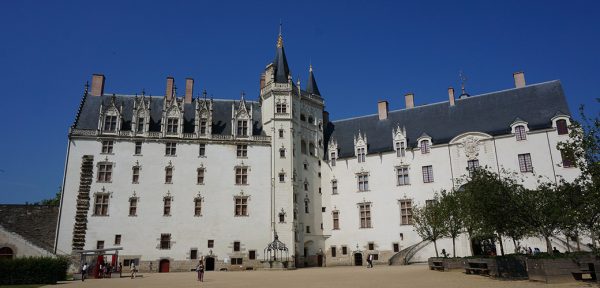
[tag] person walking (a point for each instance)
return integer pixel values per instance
(370, 261)
(133, 270)
(83, 271)
(200, 269)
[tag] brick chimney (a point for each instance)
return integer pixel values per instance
(382, 108)
(189, 90)
(97, 85)
(170, 84)
(262, 80)
(409, 99)
(519, 79)
(451, 96)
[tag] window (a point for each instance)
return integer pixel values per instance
(242, 151)
(305, 166)
(170, 148)
(281, 108)
(200, 176)
(396, 247)
(241, 176)
(472, 165)
(360, 154)
(400, 149)
(168, 175)
(365, 215)
(332, 158)
(165, 241)
(307, 229)
(306, 206)
(252, 254)
(107, 147)
(311, 120)
(344, 250)
(281, 177)
(405, 212)
(203, 127)
(525, 163)
(303, 147)
(280, 133)
(101, 204)
(363, 182)
(427, 174)
(167, 206)
(236, 261)
(402, 176)
(302, 117)
(138, 148)
(281, 217)
(242, 128)
(311, 149)
(561, 127)
(140, 124)
(193, 254)
(211, 243)
(425, 147)
(197, 206)
(118, 239)
(202, 150)
(371, 246)
(333, 251)
(135, 177)
(282, 153)
(430, 203)
(323, 209)
(236, 246)
(520, 133)
(99, 244)
(334, 188)
(110, 123)
(567, 159)
(375, 257)
(305, 186)
(172, 124)
(133, 206)
(336, 220)
(241, 206)
(104, 172)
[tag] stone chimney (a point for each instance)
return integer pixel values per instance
(382, 108)
(262, 80)
(519, 79)
(451, 96)
(409, 99)
(170, 84)
(189, 90)
(97, 85)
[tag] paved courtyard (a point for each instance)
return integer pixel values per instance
(413, 276)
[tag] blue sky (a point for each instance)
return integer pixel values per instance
(362, 52)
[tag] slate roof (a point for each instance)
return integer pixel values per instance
(87, 117)
(311, 86)
(491, 113)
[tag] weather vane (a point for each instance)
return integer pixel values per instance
(463, 80)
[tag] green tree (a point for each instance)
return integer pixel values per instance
(52, 201)
(428, 222)
(452, 216)
(546, 211)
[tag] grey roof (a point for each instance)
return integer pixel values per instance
(490, 113)
(282, 71)
(87, 117)
(311, 86)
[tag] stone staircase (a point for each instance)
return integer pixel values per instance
(405, 255)
(83, 202)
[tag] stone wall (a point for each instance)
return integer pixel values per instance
(35, 223)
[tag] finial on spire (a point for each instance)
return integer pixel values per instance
(204, 94)
(280, 37)
(310, 67)
(143, 91)
(243, 94)
(463, 80)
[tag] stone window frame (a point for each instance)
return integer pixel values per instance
(111, 119)
(335, 217)
(172, 125)
(281, 176)
(281, 216)
(133, 200)
(200, 175)
(427, 173)
(425, 146)
(241, 205)
(138, 146)
(118, 238)
(135, 173)
(472, 165)
(171, 149)
(198, 206)
(400, 148)
(107, 147)
(406, 208)
(202, 150)
(242, 150)
(365, 215)
(520, 133)
(282, 153)
(102, 208)
(402, 175)
(165, 241)
(169, 172)
(334, 187)
(362, 181)
(242, 176)
(525, 163)
(167, 205)
(104, 171)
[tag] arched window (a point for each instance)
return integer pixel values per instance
(311, 120)
(303, 147)
(561, 127)
(520, 133)
(6, 253)
(425, 146)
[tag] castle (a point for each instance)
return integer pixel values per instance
(175, 178)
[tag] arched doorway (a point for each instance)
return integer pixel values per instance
(210, 264)
(358, 259)
(320, 260)
(163, 266)
(6, 253)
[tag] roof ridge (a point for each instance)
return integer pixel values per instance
(162, 96)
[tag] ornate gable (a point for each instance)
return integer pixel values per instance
(110, 119)
(203, 116)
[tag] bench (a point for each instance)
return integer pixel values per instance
(437, 265)
(479, 268)
(578, 275)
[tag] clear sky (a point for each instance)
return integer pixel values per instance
(361, 51)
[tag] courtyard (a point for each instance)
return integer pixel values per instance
(380, 276)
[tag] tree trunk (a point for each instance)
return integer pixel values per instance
(548, 245)
(568, 245)
(454, 246)
(578, 242)
(501, 245)
(515, 245)
(435, 246)
(470, 243)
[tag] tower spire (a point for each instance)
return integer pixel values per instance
(282, 70)
(311, 85)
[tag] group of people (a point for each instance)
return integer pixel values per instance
(105, 270)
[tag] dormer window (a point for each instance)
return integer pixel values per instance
(110, 123)
(242, 128)
(520, 133)
(172, 124)
(361, 154)
(332, 158)
(203, 124)
(425, 146)
(561, 127)
(140, 125)
(400, 149)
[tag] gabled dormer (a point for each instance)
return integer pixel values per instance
(172, 116)
(360, 147)
(110, 118)
(332, 150)
(399, 138)
(424, 143)
(241, 119)
(519, 128)
(204, 109)
(140, 120)
(561, 123)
